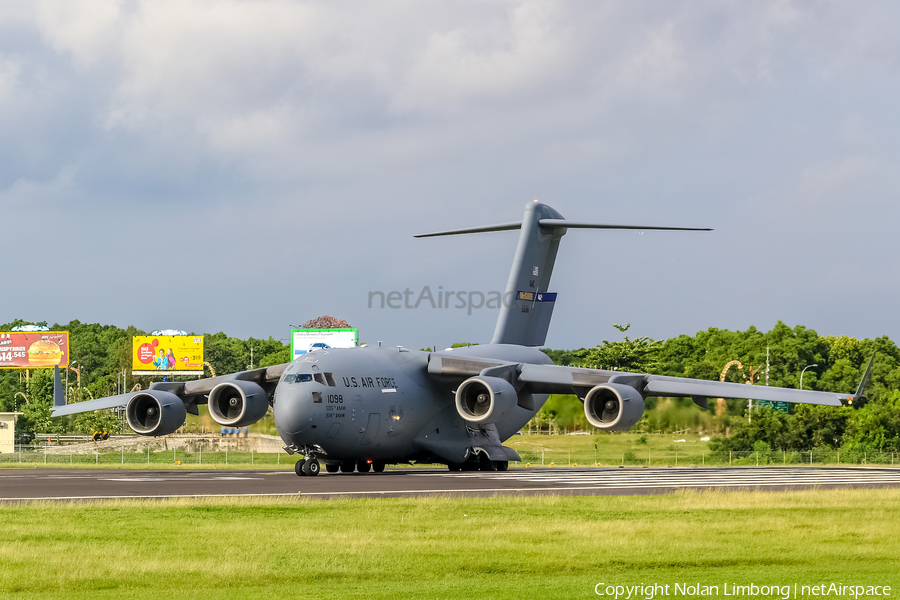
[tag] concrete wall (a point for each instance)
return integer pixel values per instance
(256, 442)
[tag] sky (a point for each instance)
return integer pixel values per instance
(243, 167)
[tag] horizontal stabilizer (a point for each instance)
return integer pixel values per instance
(583, 225)
(484, 229)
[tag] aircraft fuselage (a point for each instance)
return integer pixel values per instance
(380, 404)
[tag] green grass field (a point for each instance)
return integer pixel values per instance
(521, 547)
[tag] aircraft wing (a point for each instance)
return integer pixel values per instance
(192, 392)
(555, 379)
(552, 379)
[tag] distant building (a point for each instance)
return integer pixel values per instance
(8, 431)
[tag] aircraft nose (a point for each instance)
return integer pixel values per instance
(292, 411)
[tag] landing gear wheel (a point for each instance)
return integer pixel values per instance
(347, 467)
(454, 467)
(469, 466)
(332, 468)
(487, 465)
(311, 467)
(363, 466)
(502, 465)
(298, 467)
(378, 467)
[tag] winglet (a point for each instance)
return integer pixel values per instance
(865, 379)
(59, 395)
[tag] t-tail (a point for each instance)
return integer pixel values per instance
(527, 302)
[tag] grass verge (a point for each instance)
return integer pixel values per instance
(535, 547)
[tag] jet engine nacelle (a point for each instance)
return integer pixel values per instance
(485, 400)
(613, 407)
(155, 412)
(238, 403)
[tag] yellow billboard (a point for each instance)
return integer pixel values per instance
(161, 354)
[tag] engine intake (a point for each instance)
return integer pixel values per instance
(613, 407)
(155, 413)
(485, 399)
(238, 403)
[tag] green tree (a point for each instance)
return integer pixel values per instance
(876, 426)
(638, 355)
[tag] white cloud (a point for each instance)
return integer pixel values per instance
(397, 116)
(9, 78)
(83, 29)
(516, 52)
(824, 182)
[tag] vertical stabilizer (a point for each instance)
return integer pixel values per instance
(59, 394)
(527, 307)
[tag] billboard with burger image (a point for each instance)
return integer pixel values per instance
(34, 350)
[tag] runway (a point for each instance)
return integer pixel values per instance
(97, 484)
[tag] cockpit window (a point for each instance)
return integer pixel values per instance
(297, 377)
(329, 377)
(319, 379)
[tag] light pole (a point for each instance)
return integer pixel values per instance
(78, 373)
(804, 371)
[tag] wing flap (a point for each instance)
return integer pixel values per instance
(467, 367)
(554, 379)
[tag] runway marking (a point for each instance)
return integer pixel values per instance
(692, 478)
(152, 479)
(130, 479)
(301, 493)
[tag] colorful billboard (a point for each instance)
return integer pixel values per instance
(305, 340)
(34, 350)
(161, 354)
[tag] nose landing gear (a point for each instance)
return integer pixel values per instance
(308, 467)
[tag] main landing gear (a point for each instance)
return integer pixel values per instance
(310, 467)
(481, 465)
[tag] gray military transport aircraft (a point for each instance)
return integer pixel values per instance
(362, 408)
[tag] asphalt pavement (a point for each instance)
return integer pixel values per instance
(94, 484)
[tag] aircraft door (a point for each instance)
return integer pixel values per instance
(371, 429)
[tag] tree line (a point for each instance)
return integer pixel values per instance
(104, 352)
(873, 424)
